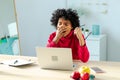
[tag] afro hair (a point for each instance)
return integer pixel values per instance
(67, 14)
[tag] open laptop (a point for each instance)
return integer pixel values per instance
(55, 58)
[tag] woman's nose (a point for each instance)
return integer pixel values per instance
(62, 25)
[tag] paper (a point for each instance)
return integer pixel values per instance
(16, 62)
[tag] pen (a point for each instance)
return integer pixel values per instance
(15, 61)
(88, 35)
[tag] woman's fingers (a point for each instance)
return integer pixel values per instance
(62, 29)
(78, 33)
(60, 32)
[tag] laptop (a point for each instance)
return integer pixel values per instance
(55, 58)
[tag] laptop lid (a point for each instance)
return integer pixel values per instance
(55, 58)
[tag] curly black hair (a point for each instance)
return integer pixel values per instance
(67, 14)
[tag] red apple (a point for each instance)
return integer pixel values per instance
(75, 75)
(85, 76)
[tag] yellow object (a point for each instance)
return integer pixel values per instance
(84, 69)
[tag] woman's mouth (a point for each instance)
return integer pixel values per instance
(64, 31)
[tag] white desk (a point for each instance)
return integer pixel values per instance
(33, 72)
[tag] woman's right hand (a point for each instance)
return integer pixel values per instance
(59, 34)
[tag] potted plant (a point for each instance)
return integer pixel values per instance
(86, 32)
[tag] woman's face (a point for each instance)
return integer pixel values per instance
(65, 25)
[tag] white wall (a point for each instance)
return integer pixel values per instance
(109, 22)
(7, 16)
(34, 22)
(112, 29)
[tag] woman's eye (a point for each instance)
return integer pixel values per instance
(59, 23)
(66, 24)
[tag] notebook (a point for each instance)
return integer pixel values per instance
(97, 70)
(55, 58)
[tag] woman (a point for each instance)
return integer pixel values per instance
(68, 34)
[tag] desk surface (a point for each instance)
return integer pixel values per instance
(33, 71)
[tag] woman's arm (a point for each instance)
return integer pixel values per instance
(82, 48)
(50, 42)
(79, 35)
(83, 53)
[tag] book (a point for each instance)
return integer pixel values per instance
(96, 70)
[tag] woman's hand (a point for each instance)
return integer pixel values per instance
(78, 33)
(59, 33)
